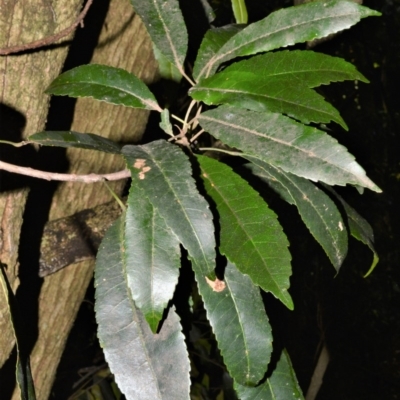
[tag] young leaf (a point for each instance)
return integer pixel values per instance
(289, 26)
(213, 40)
(104, 83)
(360, 229)
(163, 172)
(152, 256)
(316, 209)
(87, 141)
(164, 22)
(251, 236)
(240, 11)
(282, 385)
(145, 366)
(274, 95)
(278, 140)
(237, 316)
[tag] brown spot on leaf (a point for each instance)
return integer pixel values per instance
(140, 163)
(217, 285)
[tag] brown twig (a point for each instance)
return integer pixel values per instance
(49, 39)
(53, 176)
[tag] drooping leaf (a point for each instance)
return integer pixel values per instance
(23, 371)
(145, 366)
(282, 385)
(317, 210)
(87, 141)
(273, 95)
(164, 174)
(251, 236)
(104, 83)
(360, 229)
(165, 123)
(289, 26)
(240, 11)
(164, 22)
(302, 150)
(152, 256)
(166, 69)
(213, 40)
(239, 322)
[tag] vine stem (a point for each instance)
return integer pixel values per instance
(53, 176)
(48, 39)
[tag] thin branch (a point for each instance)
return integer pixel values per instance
(53, 176)
(49, 39)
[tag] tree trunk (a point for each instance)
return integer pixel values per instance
(123, 43)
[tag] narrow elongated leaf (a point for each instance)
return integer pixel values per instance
(163, 172)
(152, 256)
(251, 236)
(213, 40)
(145, 366)
(240, 11)
(360, 229)
(282, 385)
(104, 83)
(316, 209)
(304, 151)
(87, 141)
(164, 22)
(238, 319)
(274, 95)
(289, 26)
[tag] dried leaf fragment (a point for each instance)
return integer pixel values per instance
(217, 285)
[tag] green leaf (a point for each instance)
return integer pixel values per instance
(213, 40)
(164, 174)
(239, 322)
(145, 366)
(289, 26)
(251, 236)
(317, 210)
(360, 229)
(240, 11)
(87, 141)
(274, 95)
(165, 123)
(23, 369)
(282, 385)
(164, 22)
(104, 83)
(166, 69)
(152, 256)
(291, 146)
(279, 82)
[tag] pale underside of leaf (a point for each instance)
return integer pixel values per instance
(239, 322)
(165, 24)
(104, 83)
(282, 385)
(251, 236)
(164, 173)
(317, 210)
(152, 257)
(87, 141)
(145, 366)
(289, 26)
(278, 140)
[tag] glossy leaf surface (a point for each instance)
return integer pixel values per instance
(164, 22)
(289, 26)
(239, 322)
(239, 11)
(164, 174)
(145, 366)
(213, 40)
(152, 256)
(282, 385)
(87, 141)
(317, 210)
(251, 236)
(291, 146)
(104, 83)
